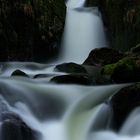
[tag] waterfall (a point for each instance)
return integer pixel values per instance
(83, 32)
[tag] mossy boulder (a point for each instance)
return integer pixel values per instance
(123, 102)
(124, 71)
(70, 68)
(103, 56)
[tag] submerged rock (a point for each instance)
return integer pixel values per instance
(72, 79)
(70, 68)
(103, 56)
(123, 102)
(19, 73)
(13, 128)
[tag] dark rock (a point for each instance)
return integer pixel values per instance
(123, 102)
(103, 56)
(19, 73)
(13, 128)
(70, 68)
(72, 79)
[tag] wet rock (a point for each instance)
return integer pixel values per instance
(70, 68)
(19, 73)
(13, 128)
(103, 56)
(72, 79)
(123, 102)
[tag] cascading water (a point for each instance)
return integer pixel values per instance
(38, 110)
(55, 112)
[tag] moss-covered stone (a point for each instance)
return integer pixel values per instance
(125, 70)
(130, 62)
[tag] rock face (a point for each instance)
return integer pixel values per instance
(30, 30)
(103, 56)
(121, 18)
(124, 102)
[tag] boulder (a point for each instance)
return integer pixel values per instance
(70, 68)
(103, 56)
(123, 102)
(72, 79)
